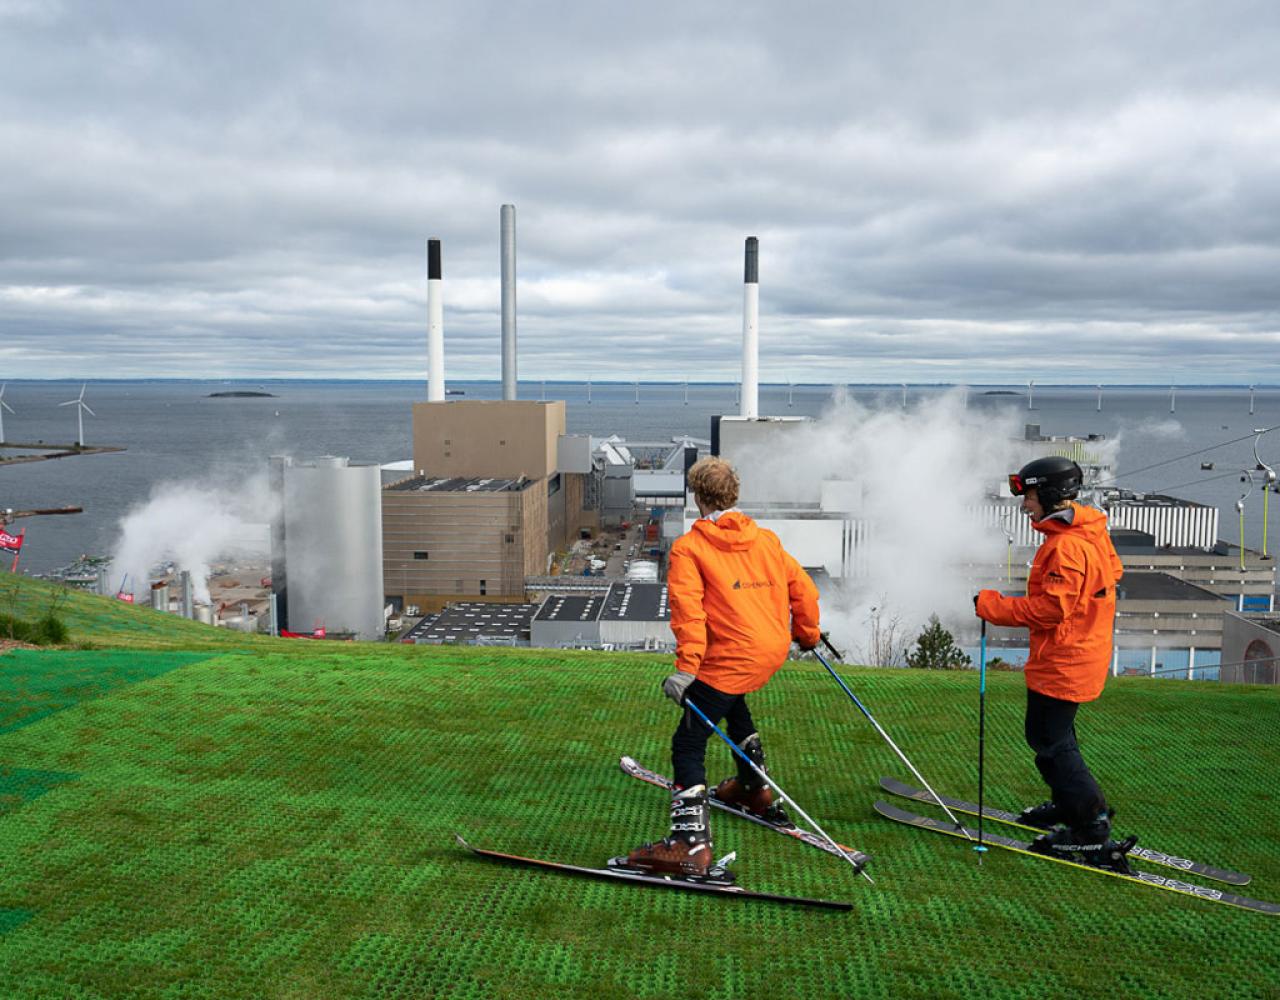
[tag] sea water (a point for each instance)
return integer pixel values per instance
(176, 431)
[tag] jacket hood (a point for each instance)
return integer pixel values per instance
(731, 531)
(1088, 520)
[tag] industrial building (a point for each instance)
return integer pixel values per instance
(479, 623)
(1250, 649)
(461, 539)
(490, 503)
(629, 615)
(568, 621)
(326, 546)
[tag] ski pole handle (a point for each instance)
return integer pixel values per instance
(826, 641)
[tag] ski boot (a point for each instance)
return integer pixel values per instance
(1045, 816)
(686, 851)
(747, 792)
(1090, 844)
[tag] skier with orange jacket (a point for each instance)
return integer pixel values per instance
(737, 599)
(1070, 609)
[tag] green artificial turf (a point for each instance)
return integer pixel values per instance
(104, 622)
(278, 822)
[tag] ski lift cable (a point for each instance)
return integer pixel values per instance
(1179, 458)
(1196, 482)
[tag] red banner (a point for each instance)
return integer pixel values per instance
(319, 633)
(10, 543)
(122, 596)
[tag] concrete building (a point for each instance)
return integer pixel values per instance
(1250, 649)
(628, 615)
(326, 546)
(637, 616)
(458, 539)
(568, 621)
(1166, 626)
(498, 488)
(480, 623)
(477, 439)
(759, 448)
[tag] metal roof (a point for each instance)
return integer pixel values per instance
(466, 620)
(1161, 587)
(636, 602)
(571, 608)
(430, 484)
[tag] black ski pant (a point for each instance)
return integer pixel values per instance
(689, 744)
(1051, 733)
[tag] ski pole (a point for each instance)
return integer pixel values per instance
(879, 729)
(980, 847)
(785, 797)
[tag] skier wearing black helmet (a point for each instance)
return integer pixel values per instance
(1069, 609)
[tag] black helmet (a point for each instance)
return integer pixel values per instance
(1054, 478)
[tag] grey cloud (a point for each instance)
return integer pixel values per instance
(940, 190)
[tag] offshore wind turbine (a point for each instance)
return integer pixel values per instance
(3, 406)
(81, 408)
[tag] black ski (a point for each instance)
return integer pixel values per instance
(1000, 815)
(1021, 847)
(719, 886)
(631, 767)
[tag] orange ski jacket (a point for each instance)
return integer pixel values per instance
(737, 599)
(1070, 606)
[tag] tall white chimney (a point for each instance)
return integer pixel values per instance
(508, 217)
(751, 332)
(435, 325)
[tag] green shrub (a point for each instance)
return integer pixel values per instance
(49, 630)
(936, 650)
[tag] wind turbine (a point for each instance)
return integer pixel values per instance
(3, 406)
(81, 407)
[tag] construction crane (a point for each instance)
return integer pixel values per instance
(8, 514)
(11, 543)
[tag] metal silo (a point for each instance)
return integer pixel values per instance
(329, 526)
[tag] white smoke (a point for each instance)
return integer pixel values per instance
(909, 475)
(194, 524)
(1167, 429)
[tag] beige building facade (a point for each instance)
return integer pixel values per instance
(487, 507)
(486, 438)
(462, 539)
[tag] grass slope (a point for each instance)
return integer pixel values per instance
(105, 622)
(278, 823)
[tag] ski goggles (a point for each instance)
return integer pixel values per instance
(1018, 485)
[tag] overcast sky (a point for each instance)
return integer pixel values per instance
(945, 191)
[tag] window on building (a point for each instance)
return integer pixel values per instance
(419, 555)
(553, 485)
(483, 589)
(511, 539)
